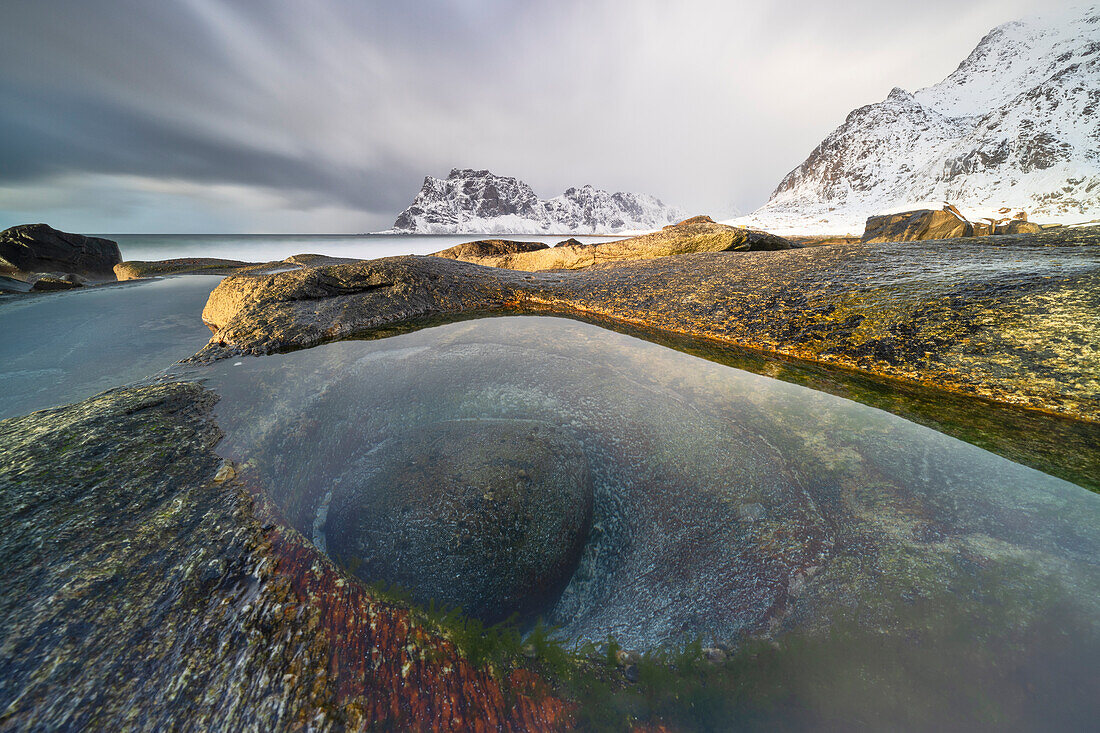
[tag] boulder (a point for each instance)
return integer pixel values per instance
(1017, 226)
(698, 234)
(571, 242)
(506, 505)
(488, 248)
(910, 226)
(984, 228)
(53, 281)
(31, 248)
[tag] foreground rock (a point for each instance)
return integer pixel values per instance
(1011, 319)
(146, 589)
(505, 505)
(699, 234)
(38, 248)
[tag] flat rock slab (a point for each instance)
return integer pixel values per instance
(1015, 319)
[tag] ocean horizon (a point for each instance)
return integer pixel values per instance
(270, 247)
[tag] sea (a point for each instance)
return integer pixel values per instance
(271, 247)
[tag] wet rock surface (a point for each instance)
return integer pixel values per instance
(147, 588)
(38, 248)
(486, 515)
(1012, 319)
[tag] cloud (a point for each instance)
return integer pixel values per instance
(338, 108)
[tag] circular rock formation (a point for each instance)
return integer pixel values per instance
(487, 515)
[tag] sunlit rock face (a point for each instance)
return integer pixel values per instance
(486, 515)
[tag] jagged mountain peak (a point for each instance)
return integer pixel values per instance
(471, 201)
(1015, 125)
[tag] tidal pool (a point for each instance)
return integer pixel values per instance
(899, 568)
(63, 347)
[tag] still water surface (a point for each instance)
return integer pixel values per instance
(728, 506)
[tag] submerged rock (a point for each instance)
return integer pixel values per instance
(32, 248)
(698, 234)
(486, 515)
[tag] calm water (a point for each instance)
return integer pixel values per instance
(64, 347)
(270, 247)
(727, 506)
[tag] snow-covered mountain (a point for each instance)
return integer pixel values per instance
(479, 202)
(1015, 126)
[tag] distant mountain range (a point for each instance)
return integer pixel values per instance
(479, 202)
(1015, 126)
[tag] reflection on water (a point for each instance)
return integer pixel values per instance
(726, 505)
(64, 347)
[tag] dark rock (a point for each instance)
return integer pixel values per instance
(39, 248)
(571, 242)
(983, 228)
(54, 282)
(505, 505)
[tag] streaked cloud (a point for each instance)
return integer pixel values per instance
(280, 115)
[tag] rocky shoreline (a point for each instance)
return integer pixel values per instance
(162, 583)
(957, 315)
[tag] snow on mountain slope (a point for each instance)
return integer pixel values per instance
(479, 202)
(1015, 126)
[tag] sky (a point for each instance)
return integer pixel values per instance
(279, 116)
